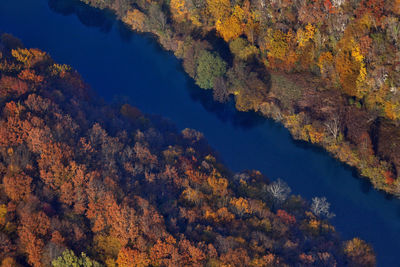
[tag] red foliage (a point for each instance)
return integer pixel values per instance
(12, 86)
(286, 217)
(373, 7)
(389, 177)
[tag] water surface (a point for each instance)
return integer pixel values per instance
(116, 62)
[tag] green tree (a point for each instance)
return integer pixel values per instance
(69, 259)
(209, 67)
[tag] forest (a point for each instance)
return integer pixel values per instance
(328, 70)
(83, 183)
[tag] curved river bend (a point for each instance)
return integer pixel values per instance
(116, 62)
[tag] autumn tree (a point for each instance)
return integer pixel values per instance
(320, 207)
(350, 67)
(132, 257)
(135, 19)
(359, 253)
(209, 67)
(17, 186)
(69, 259)
(279, 191)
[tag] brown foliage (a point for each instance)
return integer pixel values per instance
(17, 186)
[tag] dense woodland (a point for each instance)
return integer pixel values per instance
(329, 70)
(88, 184)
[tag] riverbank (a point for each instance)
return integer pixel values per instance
(81, 181)
(153, 81)
(308, 106)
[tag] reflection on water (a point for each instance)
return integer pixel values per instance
(89, 16)
(104, 20)
(225, 112)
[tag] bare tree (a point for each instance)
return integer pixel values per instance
(320, 207)
(333, 126)
(221, 93)
(337, 3)
(157, 17)
(279, 190)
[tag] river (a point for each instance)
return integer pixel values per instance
(119, 64)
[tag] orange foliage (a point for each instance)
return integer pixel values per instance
(179, 10)
(396, 7)
(132, 258)
(12, 86)
(29, 75)
(240, 205)
(190, 255)
(33, 247)
(218, 185)
(57, 238)
(164, 253)
(9, 262)
(17, 186)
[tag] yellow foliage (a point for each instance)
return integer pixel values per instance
(222, 215)
(392, 110)
(351, 68)
(279, 46)
(239, 13)
(314, 226)
(292, 122)
(110, 262)
(229, 28)
(57, 69)
(358, 57)
(304, 36)
(218, 185)
(22, 55)
(178, 10)
(3, 212)
(316, 137)
(135, 19)
(309, 133)
(324, 59)
(355, 53)
(219, 9)
(28, 57)
(241, 205)
(108, 245)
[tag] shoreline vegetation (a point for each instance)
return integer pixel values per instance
(87, 184)
(328, 70)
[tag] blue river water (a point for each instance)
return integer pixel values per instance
(122, 65)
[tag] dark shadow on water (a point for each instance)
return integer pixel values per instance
(124, 32)
(89, 16)
(105, 20)
(225, 112)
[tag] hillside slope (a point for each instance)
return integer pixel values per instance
(90, 184)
